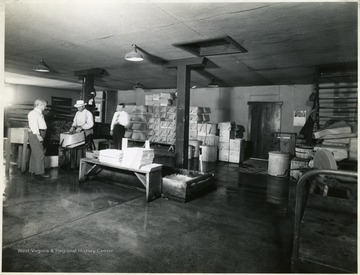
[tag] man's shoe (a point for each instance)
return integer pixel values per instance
(43, 176)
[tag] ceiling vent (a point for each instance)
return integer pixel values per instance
(214, 46)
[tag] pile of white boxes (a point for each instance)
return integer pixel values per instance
(230, 149)
(139, 119)
(161, 124)
(137, 157)
(200, 128)
(160, 99)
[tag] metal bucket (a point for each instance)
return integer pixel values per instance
(278, 164)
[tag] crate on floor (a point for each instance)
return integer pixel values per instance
(184, 185)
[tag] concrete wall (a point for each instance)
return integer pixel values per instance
(231, 104)
(24, 93)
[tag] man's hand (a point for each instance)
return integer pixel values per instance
(78, 129)
(111, 133)
(39, 138)
(72, 129)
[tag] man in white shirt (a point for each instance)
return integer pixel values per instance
(83, 122)
(118, 125)
(37, 134)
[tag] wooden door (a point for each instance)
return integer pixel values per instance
(264, 120)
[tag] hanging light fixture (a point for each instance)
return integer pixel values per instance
(213, 83)
(134, 55)
(138, 86)
(42, 67)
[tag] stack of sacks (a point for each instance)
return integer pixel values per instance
(111, 156)
(137, 157)
(339, 139)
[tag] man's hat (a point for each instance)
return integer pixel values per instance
(79, 103)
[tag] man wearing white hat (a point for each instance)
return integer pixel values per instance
(83, 121)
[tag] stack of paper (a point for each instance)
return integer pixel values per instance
(137, 157)
(112, 156)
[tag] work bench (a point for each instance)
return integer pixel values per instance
(150, 176)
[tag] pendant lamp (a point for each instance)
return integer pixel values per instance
(42, 67)
(213, 83)
(134, 55)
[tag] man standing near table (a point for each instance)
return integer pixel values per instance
(83, 121)
(37, 134)
(118, 125)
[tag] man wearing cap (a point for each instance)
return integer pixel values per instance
(83, 121)
(37, 133)
(118, 124)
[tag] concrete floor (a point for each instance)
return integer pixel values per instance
(57, 225)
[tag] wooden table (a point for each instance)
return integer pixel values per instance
(150, 176)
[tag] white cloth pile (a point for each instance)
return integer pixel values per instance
(340, 139)
(137, 157)
(112, 156)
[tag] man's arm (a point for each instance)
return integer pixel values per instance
(89, 121)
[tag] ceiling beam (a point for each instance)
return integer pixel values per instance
(193, 62)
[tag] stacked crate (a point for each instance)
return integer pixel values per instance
(154, 123)
(159, 99)
(231, 148)
(162, 118)
(200, 128)
(236, 154)
(168, 124)
(139, 120)
(130, 109)
(224, 140)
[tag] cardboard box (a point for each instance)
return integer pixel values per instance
(167, 95)
(224, 126)
(193, 134)
(236, 144)
(224, 136)
(212, 140)
(234, 156)
(224, 145)
(201, 128)
(18, 135)
(211, 128)
(206, 118)
(196, 110)
(224, 155)
(51, 161)
(206, 110)
(196, 118)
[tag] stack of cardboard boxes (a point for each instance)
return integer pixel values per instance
(162, 124)
(231, 148)
(139, 120)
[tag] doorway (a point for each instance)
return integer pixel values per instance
(264, 120)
